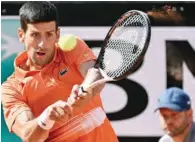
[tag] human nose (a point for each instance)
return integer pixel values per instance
(40, 45)
(42, 42)
(169, 120)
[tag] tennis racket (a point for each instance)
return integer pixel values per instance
(123, 48)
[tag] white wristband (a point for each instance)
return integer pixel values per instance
(44, 122)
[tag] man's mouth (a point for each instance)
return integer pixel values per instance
(40, 53)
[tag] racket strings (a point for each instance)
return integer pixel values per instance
(122, 59)
(140, 26)
(125, 45)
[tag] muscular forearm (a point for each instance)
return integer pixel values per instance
(37, 129)
(30, 132)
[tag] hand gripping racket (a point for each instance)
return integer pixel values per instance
(123, 48)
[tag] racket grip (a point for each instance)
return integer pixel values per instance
(83, 91)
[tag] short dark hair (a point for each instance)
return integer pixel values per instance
(36, 12)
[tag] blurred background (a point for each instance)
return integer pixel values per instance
(129, 103)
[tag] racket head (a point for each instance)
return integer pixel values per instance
(125, 45)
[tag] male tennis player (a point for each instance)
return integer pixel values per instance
(34, 97)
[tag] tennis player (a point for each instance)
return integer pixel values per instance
(34, 97)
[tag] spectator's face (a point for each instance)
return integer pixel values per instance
(174, 123)
(39, 40)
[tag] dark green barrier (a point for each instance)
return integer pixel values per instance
(9, 49)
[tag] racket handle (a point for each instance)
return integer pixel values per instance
(83, 91)
(85, 88)
(96, 65)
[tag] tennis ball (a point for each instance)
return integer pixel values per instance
(67, 42)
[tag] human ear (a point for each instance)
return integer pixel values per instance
(21, 35)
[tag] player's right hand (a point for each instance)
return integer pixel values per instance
(59, 111)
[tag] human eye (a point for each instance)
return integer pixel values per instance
(34, 34)
(50, 34)
(175, 115)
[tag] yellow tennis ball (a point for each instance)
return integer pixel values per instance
(67, 42)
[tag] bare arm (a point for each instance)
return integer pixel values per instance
(18, 115)
(78, 102)
(27, 128)
(84, 68)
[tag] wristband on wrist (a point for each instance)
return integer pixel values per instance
(44, 122)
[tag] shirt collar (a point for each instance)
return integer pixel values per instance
(22, 58)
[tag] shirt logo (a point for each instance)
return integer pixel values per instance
(85, 55)
(63, 71)
(51, 82)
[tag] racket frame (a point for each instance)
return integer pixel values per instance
(105, 77)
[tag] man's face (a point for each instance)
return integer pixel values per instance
(39, 40)
(172, 122)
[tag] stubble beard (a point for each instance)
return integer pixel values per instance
(177, 131)
(47, 59)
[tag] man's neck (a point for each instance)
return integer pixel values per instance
(31, 66)
(182, 136)
(34, 67)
